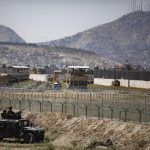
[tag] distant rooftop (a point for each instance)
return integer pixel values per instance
(57, 70)
(23, 67)
(3, 74)
(78, 67)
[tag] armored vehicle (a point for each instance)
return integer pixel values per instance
(116, 83)
(12, 125)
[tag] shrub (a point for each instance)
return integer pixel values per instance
(111, 132)
(141, 143)
(50, 147)
(69, 116)
(74, 143)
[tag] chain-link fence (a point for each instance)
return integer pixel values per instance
(126, 107)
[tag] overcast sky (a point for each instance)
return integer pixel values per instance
(45, 20)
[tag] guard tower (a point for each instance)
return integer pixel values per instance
(76, 77)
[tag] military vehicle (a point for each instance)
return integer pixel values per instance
(12, 125)
(116, 83)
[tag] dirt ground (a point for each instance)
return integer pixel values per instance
(65, 130)
(17, 146)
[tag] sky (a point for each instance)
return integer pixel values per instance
(46, 20)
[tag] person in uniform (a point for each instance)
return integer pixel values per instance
(10, 112)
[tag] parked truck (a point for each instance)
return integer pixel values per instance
(12, 125)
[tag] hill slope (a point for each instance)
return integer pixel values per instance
(8, 35)
(127, 38)
(44, 55)
(83, 131)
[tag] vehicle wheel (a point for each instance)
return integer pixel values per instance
(29, 138)
(1, 138)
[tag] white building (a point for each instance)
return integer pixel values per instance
(39, 77)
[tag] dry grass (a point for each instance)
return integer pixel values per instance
(18, 146)
(42, 146)
(80, 131)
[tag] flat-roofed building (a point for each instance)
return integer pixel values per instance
(13, 74)
(76, 76)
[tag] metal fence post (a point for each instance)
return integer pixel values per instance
(102, 106)
(42, 101)
(77, 104)
(140, 114)
(145, 109)
(51, 106)
(98, 111)
(120, 111)
(32, 102)
(112, 112)
(74, 108)
(29, 105)
(62, 107)
(115, 109)
(54, 96)
(90, 104)
(19, 104)
(66, 103)
(40, 106)
(86, 110)
(130, 107)
(125, 113)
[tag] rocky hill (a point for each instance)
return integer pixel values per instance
(127, 38)
(34, 55)
(8, 35)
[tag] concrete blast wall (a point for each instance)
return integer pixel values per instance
(39, 77)
(124, 82)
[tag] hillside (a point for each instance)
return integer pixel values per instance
(8, 35)
(64, 133)
(127, 38)
(34, 55)
(63, 130)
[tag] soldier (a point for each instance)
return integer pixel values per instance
(10, 112)
(4, 114)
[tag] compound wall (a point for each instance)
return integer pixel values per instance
(39, 77)
(124, 82)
